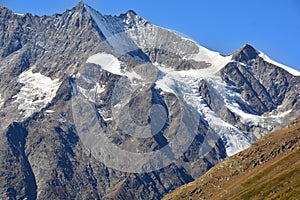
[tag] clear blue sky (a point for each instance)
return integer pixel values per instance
(272, 26)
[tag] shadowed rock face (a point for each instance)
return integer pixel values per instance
(19, 178)
(43, 157)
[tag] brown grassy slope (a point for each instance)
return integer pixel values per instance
(269, 169)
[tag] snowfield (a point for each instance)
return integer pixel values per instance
(37, 92)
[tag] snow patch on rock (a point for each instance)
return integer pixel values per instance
(1, 101)
(111, 64)
(216, 60)
(288, 69)
(37, 92)
(107, 62)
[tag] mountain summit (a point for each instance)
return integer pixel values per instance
(96, 106)
(245, 54)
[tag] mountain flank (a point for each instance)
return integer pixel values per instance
(269, 169)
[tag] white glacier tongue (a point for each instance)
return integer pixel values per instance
(286, 68)
(187, 82)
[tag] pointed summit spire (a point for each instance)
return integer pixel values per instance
(80, 7)
(80, 4)
(129, 13)
(132, 12)
(247, 52)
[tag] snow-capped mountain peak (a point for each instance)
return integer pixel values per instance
(68, 75)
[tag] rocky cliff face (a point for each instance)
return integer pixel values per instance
(73, 82)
